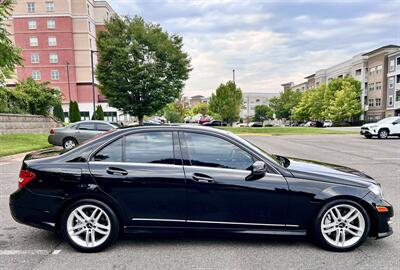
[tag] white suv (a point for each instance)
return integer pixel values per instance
(386, 127)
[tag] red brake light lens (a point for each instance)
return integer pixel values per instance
(52, 131)
(25, 177)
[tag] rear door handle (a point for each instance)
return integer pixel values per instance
(201, 178)
(116, 171)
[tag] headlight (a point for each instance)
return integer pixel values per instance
(375, 126)
(376, 190)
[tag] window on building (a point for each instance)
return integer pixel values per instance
(110, 116)
(371, 87)
(32, 25)
(150, 147)
(398, 61)
(398, 95)
(90, 43)
(88, 9)
(390, 101)
(55, 75)
(391, 65)
(31, 7)
(52, 41)
(378, 102)
(33, 41)
(358, 72)
(378, 69)
(35, 58)
(51, 24)
(49, 6)
(53, 58)
(391, 82)
(371, 102)
(36, 75)
(89, 27)
(378, 86)
(398, 79)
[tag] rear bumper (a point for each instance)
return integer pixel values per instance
(54, 140)
(35, 210)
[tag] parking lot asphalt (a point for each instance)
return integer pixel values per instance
(23, 247)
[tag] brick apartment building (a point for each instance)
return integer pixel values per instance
(376, 70)
(56, 38)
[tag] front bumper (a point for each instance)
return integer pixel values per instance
(381, 226)
(34, 209)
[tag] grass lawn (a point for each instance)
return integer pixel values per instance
(18, 143)
(285, 130)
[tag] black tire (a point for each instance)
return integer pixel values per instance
(368, 136)
(383, 133)
(317, 233)
(67, 141)
(113, 219)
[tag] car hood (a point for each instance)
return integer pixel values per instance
(369, 125)
(314, 170)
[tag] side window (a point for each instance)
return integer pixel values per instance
(103, 127)
(86, 126)
(211, 151)
(111, 153)
(150, 147)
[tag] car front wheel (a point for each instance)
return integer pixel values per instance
(383, 134)
(89, 225)
(341, 225)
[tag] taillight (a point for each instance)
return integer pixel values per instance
(52, 131)
(25, 177)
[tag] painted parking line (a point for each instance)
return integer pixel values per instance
(29, 252)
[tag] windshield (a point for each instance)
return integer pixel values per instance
(269, 156)
(388, 120)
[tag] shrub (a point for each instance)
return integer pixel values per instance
(58, 113)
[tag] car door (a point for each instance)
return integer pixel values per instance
(396, 126)
(143, 172)
(85, 131)
(218, 193)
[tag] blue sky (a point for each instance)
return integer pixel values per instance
(268, 42)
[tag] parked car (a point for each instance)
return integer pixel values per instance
(255, 124)
(137, 180)
(328, 123)
(195, 118)
(314, 124)
(76, 133)
(242, 125)
(214, 123)
(205, 119)
(383, 129)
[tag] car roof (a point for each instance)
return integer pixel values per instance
(182, 127)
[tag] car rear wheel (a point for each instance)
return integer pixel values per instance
(383, 134)
(341, 225)
(70, 143)
(89, 225)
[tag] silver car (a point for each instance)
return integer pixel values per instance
(76, 133)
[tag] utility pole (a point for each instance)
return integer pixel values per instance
(69, 86)
(233, 75)
(93, 91)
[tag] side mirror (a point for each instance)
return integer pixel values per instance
(258, 170)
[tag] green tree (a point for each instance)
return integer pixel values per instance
(141, 68)
(58, 112)
(74, 113)
(227, 102)
(174, 112)
(311, 105)
(40, 98)
(262, 112)
(284, 104)
(200, 108)
(345, 104)
(9, 55)
(99, 112)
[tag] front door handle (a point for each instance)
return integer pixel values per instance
(202, 178)
(116, 171)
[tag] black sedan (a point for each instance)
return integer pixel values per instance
(173, 179)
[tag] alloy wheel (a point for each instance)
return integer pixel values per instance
(69, 144)
(383, 134)
(88, 226)
(343, 226)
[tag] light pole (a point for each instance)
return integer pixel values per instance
(233, 75)
(94, 98)
(69, 86)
